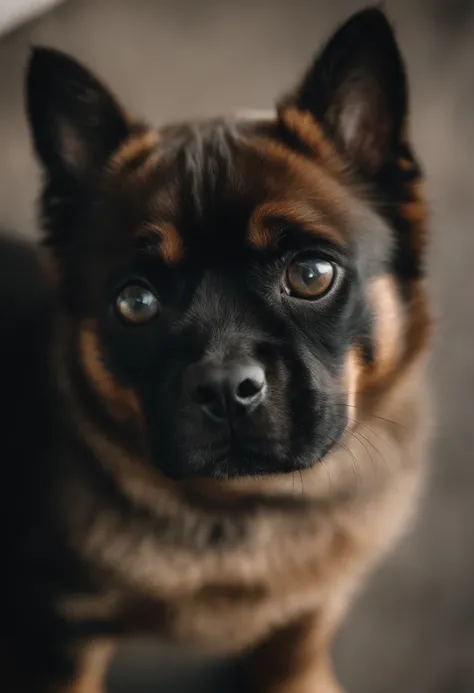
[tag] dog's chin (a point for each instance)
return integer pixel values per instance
(226, 466)
(245, 457)
(233, 466)
(240, 464)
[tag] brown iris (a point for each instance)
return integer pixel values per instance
(310, 276)
(137, 304)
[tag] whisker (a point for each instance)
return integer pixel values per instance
(326, 467)
(354, 463)
(372, 416)
(302, 482)
(361, 438)
(356, 422)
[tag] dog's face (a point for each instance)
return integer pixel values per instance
(218, 278)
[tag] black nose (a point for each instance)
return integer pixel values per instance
(226, 390)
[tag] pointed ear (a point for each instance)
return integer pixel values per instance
(356, 90)
(75, 122)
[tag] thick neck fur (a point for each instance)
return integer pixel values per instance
(250, 544)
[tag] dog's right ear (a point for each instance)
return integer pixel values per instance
(357, 90)
(76, 123)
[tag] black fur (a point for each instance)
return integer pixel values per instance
(223, 298)
(360, 76)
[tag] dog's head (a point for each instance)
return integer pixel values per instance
(235, 291)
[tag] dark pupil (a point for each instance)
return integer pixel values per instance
(139, 301)
(311, 272)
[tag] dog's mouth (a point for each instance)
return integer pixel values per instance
(233, 457)
(243, 460)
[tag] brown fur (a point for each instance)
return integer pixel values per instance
(312, 544)
(121, 401)
(94, 663)
(262, 566)
(170, 242)
(311, 135)
(136, 150)
(264, 229)
(322, 530)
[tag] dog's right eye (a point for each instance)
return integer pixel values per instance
(136, 304)
(310, 276)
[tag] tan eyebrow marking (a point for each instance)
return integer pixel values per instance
(263, 233)
(170, 243)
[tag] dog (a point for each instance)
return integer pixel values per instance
(218, 412)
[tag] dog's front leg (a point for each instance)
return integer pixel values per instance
(295, 659)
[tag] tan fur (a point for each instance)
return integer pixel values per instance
(346, 513)
(280, 168)
(310, 133)
(94, 662)
(416, 212)
(170, 242)
(263, 232)
(352, 373)
(121, 401)
(389, 335)
(405, 164)
(306, 551)
(304, 560)
(295, 658)
(402, 333)
(264, 567)
(134, 147)
(261, 566)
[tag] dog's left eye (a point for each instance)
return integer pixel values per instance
(136, 304)
(309, 276)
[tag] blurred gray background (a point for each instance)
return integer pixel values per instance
(413, 629)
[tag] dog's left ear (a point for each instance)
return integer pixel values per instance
(356, 90)
(76, 123)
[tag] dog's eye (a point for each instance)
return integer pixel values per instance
(310, 276)
(136, 304)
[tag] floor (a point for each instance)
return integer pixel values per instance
(413, 629)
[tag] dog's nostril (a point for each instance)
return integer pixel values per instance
(248, 388)
(226, 391)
